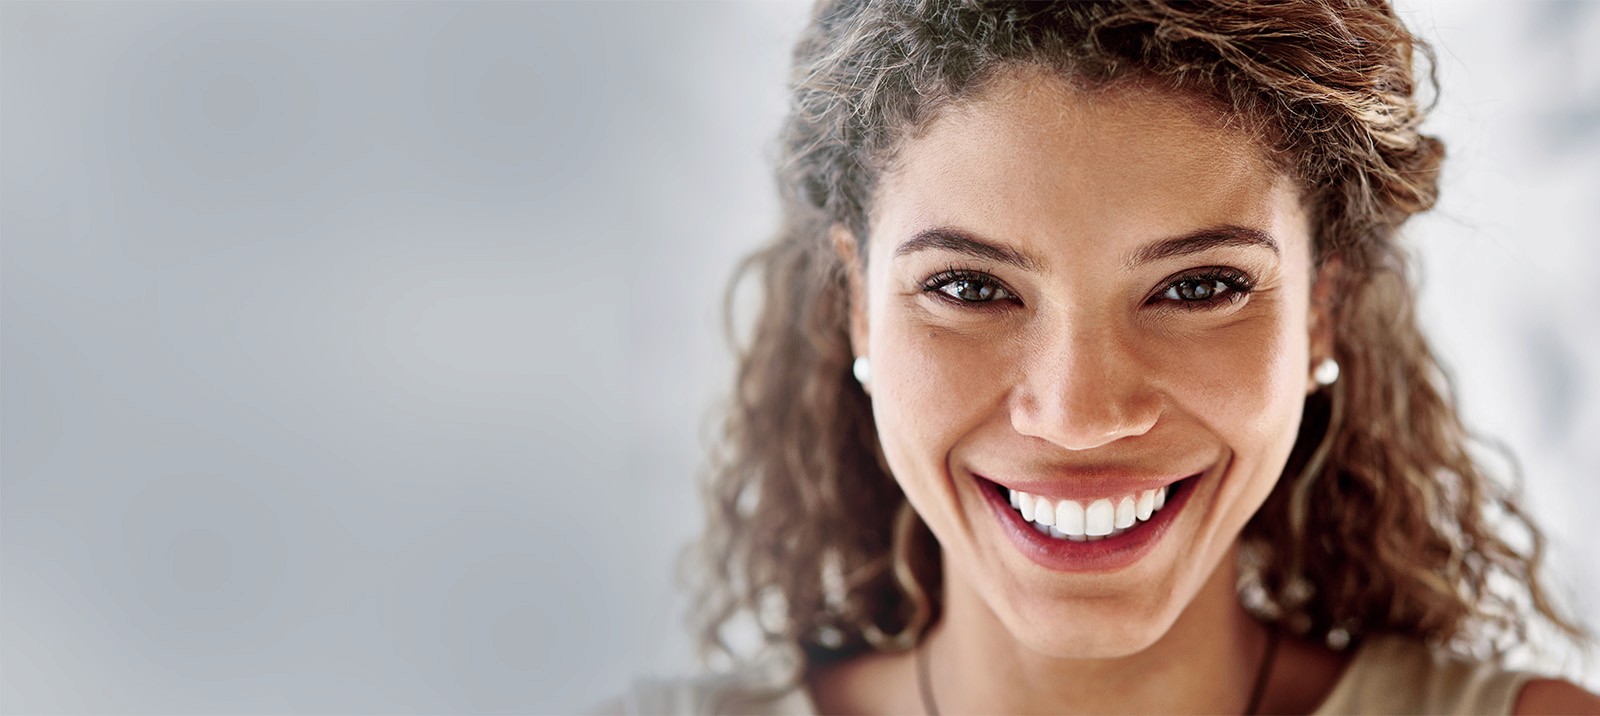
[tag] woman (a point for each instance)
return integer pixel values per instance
(1087, 380)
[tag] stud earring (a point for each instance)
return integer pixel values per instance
(1327, 372)
(862, 369)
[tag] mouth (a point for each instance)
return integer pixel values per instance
(1100, 534)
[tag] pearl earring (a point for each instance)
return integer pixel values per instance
(862, 369)
(1327, 372)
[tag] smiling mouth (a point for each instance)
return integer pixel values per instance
(1093, 520)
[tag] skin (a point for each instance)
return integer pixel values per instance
(1085, 367)
(1082, 368)
(1087, 372)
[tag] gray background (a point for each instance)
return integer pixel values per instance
(357, 357)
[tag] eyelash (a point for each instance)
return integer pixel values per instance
(1237, 285)
(933, 284)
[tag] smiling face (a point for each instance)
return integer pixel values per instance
(1080, 298)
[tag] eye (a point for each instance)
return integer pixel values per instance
(962, 286)
(1208, 288)
(1191, 290)
(972, 291)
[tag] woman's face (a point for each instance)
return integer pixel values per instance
(1088, 299)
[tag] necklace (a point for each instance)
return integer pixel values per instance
(928, 704)
(1262, 672)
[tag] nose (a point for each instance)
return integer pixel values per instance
(1084, 389)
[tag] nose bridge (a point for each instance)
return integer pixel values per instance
(1084, 386)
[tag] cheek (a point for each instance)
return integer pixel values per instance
(1246, 385)
(930, 386)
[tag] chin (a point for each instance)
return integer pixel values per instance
(1100, 627)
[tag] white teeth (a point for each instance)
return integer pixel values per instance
(1125, 513)
(1069, 519)
(1098, 518)
(1044, 513)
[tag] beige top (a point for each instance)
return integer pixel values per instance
(1389, 675)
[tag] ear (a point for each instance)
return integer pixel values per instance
(848, 251)
(1326, 280)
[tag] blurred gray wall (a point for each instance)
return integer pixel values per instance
(356, 357)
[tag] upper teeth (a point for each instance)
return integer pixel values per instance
(1099, 518)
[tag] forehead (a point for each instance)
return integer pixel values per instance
(1031, 158)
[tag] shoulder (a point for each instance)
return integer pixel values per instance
(855, 685)
(1392, 674)
(748, 691)
(1554, 696)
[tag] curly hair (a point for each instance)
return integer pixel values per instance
(1384, 521)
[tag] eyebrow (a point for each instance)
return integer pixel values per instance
(1204, 239)
(961, 241)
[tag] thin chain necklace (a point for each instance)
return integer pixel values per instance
(1256, 691)
(929, 706)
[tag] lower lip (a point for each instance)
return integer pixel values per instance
(1107, 554)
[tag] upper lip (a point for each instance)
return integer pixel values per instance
(1089, 484)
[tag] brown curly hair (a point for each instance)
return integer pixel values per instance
(1384, 520)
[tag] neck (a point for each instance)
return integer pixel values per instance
(1206, 663)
